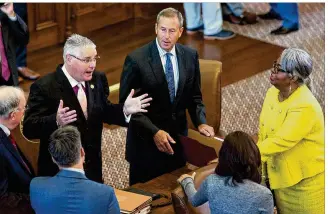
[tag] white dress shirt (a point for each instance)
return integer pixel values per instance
(5, 130)
(74, 83)
(74, 170)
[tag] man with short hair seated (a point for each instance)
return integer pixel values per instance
(70, 191)
(15, 171)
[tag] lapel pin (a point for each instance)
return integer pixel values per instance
(92, 86)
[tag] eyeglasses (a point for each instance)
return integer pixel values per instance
(87, 60)
(276, 68)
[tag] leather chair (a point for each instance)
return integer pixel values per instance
(179, 199)
(210, 71)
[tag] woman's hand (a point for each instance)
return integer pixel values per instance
(182, 177)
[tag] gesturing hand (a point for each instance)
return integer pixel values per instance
(162, 140)
(8, 8)
(182, 177)
(137, 104)
(64, 116)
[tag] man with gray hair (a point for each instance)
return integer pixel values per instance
(70, 188)
(15, 171)
(76, 94)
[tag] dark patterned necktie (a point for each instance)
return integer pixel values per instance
(170, 76)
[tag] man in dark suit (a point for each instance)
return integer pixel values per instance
(70, 191)
(169, 73)
(13, 33)
(76, 94)
(15, 171)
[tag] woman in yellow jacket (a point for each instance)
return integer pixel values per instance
(291, 136)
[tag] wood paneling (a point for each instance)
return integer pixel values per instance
(88, 17)
(46, 23)
(51, 23)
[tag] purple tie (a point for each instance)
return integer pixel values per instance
(76, 89)
(4, 62)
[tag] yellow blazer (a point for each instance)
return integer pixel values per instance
(291, 137)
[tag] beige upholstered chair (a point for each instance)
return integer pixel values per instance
(211, 90)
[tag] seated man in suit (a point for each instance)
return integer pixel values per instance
(70, 191)
(15, 171)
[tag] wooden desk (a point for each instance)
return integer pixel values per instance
(163, 184)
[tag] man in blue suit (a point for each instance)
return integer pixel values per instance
(70, 191)
(15, 171)
(288, 13)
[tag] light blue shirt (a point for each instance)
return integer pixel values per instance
(174, 61)
(225, 198)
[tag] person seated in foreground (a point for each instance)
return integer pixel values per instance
(70, 191)
(235, 187)
(16, 172)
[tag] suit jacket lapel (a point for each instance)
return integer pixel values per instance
(90, 89)
(5, 36)
(10, 147)
(28, 164)
(157, 67)
(67, 93)
(182, 72)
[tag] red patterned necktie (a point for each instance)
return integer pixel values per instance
(13, 141)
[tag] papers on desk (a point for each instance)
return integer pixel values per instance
(133, 203)
(219, 139)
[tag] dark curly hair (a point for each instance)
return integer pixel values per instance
(239, 157)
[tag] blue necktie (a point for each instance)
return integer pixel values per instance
(170, 76)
